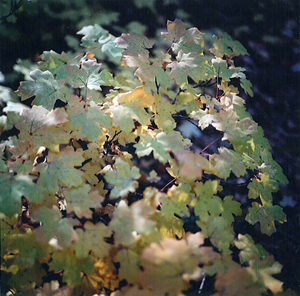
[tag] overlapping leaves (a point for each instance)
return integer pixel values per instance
(106, 158)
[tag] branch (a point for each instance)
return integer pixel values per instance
(13, 8)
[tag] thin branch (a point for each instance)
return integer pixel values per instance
(13, 8)
(205, 83)
(167, 185)
(188, 119)
(211, 143)
(202, 285)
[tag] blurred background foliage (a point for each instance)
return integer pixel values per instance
(268, 29)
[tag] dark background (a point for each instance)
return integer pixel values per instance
(268, 29)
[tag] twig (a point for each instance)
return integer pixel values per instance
(13, 8)
(167, 185)
(211, 143)
(202, 285)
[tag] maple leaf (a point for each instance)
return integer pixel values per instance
(168, 263)
(72, 266)
(88, 75)
(54, 62)
(123, 178)
(231, 207)
(129, 222)
(86, 122)
(221, 70)
(229, 122)
(175, 203)
(132, 291)
(247, 87)
(134, 44)
(226, 45)
(3, 167)
(95, 36)
(147, 144)
(138, 95)
(54, 227)
(226, 161)
(262, 271)
(262, 160)
(207, 207)
(123, 116)
(187, 65)
(191, 40)
(219, 230)
(192, 165)
(91, 238)
(207, 189)
(176, 30)
(248, 249)
(24, 277)
(221, 263)
(245, 286)
(81, 199)
(263, 187)
(13, 188)
(163, 111)
(266, 216)
(28, 249)
(59, 170)
(44, 87)
(171, 228)
(129, 265)
(43, 128)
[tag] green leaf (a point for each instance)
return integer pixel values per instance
(91, 238)
(95, 36)
(59, 170)
(54, 227)
(226, 45)
(266, 216)
(44, 87)
(190, 40)
(129, 265)
(28, 249)
(263, 188)
(228, 160)
(123, 178)
(13, 187)
(88, 75)
(129, 222)
(247, 87)
(55, 63)
(187, 65)
(86, 122)
(72, 266)
(81, 199)
(248, 249)
(43, 128)
(123, 116)
(168, 263)
(220, 232)
(176, 202)
(134, 44)
(172, 227)
(176, 30)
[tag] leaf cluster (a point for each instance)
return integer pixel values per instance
(92, 162)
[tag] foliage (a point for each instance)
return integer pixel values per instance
(108, 222)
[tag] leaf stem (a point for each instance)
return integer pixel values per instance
(211, 143)
(167, 185)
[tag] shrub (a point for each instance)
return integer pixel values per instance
(126, 174)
